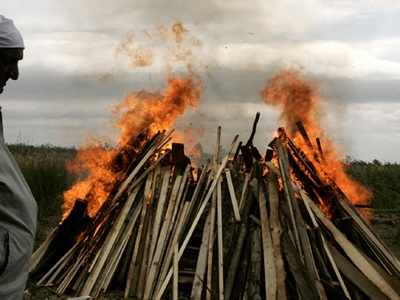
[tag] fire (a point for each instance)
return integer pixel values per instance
(139, 113)
(142, 110)
(299, 100)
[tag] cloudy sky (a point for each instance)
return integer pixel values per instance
(71, 76)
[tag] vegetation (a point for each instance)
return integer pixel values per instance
(44, 168)
(383, 179)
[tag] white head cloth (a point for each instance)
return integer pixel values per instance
(10, 37)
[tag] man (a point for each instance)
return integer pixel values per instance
(18, 210)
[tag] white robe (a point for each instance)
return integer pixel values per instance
(18, 218)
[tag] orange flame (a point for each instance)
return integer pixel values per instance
(300, 101)
(139, 112)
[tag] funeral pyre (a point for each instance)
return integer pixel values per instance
(276, 224)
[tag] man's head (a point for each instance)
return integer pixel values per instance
(11, 51)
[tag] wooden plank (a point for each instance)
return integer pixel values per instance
(199, 276)
(220, 243)
(269, 260)
(199, 213)
(255, 269)
(232, 195)
(159, 210)
(355, 276)
(210, 247)
(325, 245)
(111, 237)
(176, 272)
(133, 261)
(355, 255)
(164, 235)
(283, 167)
(276, 231)
(243, 195)
(239, 247)
(300, 230)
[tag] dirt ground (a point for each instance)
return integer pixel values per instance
(386, 228)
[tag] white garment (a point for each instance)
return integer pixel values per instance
(18, 215)
(10, 37)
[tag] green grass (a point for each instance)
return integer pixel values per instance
(44, 168)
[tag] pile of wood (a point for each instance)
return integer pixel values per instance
(246, 226)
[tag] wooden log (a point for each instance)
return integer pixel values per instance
(355, 255)
(232, 194)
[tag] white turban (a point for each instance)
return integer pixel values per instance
(10, 37)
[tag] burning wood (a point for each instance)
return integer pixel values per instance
(163, 233)
(148, 224)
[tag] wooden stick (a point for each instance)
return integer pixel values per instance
(232, 195)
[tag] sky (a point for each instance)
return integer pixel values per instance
(71, 75)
